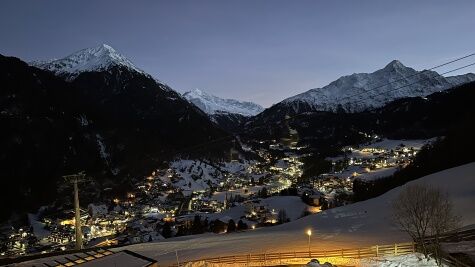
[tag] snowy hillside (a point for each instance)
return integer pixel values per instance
(361, 224)
(97, 58)
(197, 175)
(361, 91)
(212, 105)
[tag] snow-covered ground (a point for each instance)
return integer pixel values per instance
(294, 207)
(466, 247)
(244, 192)
(363, 152)
(357, 225)
(38, 227)
(409, 260)
(378, 173)
(196, 175)
(389, 144)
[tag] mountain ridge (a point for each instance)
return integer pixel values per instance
(116, 124)
(361, 91)
(97, 58)
(212, 104)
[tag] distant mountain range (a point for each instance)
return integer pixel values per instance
(363, 91)
(212, 104)
(229, 114)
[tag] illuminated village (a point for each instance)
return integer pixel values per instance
(193, 197)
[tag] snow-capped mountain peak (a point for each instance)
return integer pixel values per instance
(395, 64)
(97, 58)
(362, 91)
(211, 104)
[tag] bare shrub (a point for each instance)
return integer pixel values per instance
(425, 213)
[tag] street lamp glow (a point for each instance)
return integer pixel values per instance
(309, 234)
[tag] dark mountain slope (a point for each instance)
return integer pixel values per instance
(116, 125)
(404, 118)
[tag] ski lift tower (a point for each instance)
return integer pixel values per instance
(75, 179)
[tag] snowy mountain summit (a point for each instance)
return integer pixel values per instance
(362, 91)
(212, 105)
(98, 58)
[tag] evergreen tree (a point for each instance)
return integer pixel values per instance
(282, 216)
(197, 227)
(167, 230)
(231, 226)
(241, 225)
(264, 192)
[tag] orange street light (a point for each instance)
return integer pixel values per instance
(309, 233)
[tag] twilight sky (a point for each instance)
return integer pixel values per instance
(262, 51)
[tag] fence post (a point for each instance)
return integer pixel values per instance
(413, 247)
(280, 258)
(377, 251)
(342, 253)
(395, 249)
(359, 253)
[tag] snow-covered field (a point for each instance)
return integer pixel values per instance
(195, 175)
(357, 225)
(409, 260)
(389, 144)
(378, 173)
(293, 205)
(244, 192)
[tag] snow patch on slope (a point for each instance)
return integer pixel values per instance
(211, 104)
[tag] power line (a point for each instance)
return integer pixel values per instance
(421, 80)
(195, 147)
(412, 75)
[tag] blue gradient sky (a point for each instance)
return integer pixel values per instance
(263, 51)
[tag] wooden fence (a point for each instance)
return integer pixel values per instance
(283, 257)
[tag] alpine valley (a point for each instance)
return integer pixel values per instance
(161, 164)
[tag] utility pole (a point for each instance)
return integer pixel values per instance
(309, 234)
(74, 179)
